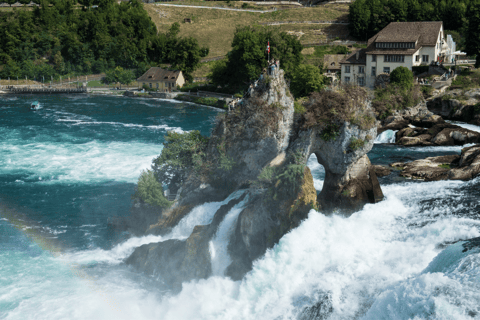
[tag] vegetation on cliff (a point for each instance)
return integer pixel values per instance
(182, 152)
(150, 191)
(395, 97)
(328, 110)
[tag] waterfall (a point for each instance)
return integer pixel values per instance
(387, 136)
(218, 246)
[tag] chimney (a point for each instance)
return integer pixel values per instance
(357, 55)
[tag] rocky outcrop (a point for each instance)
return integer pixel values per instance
(465, 166)
(261, 146)
(458, 105)
(418, 115)
(439, 135)
(381, 171)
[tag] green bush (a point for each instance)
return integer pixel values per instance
(356, 143)
(395, 97)
(306, 79)
(182, 152)
(330, 132)
(298, 107)
(150, 191)
(402, 76)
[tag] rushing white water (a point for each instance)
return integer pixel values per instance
(67, 162)
(387, 136)
(351, 260)
(220, 258)
(200, 215)
(465, 125)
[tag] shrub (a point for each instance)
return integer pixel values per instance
(328, 110)
(395, 97)
(305, 80)
(181, 153)
(150, 191)
(356, 143)
(402, 76)
(298, 107)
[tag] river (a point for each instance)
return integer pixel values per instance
(69, 166)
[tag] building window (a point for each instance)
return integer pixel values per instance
(347, 69)
(157, 85)
(386, 70)
(361, 69)
(374, 58)
(394, 58)
(150, 85)
(425, 58)
(396, 45)
(347, 79)
(374, 72)
(361, 81)
(417, 58)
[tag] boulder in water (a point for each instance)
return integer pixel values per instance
(454, 167)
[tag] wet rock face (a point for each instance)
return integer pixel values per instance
(465, 166)
(458, 105)
(439, 135)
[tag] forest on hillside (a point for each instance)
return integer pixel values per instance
(61, 37)
(367, 17)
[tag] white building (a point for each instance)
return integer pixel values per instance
(406, 44)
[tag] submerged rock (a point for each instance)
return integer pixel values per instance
(454, 167)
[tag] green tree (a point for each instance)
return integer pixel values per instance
(181, 153)
(305, 80)
(249, 56)
(359, 17)
(472, 39)
(402, 76)
(150, 191)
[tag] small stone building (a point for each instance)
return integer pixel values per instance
(161, 79)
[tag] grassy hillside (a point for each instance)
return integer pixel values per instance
(215, 28)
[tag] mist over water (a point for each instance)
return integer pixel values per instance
(67, 167)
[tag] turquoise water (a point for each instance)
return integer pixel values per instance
(64, 169)
(69, 166)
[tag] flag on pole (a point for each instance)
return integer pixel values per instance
(268, 46)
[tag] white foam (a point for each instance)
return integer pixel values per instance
(127, 125)
(387, 136)
(220, 258)
(351, 259)
(436, 148)
(465, 125)
(200, 215)
(54, 162)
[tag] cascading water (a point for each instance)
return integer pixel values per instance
(58, 259)
(218, 245)
(387, 136)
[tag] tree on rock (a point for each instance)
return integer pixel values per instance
(249, 56)
(402, 76)
(305, 80)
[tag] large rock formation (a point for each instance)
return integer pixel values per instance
(458, 105)
(465, 166)
(262, 146)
